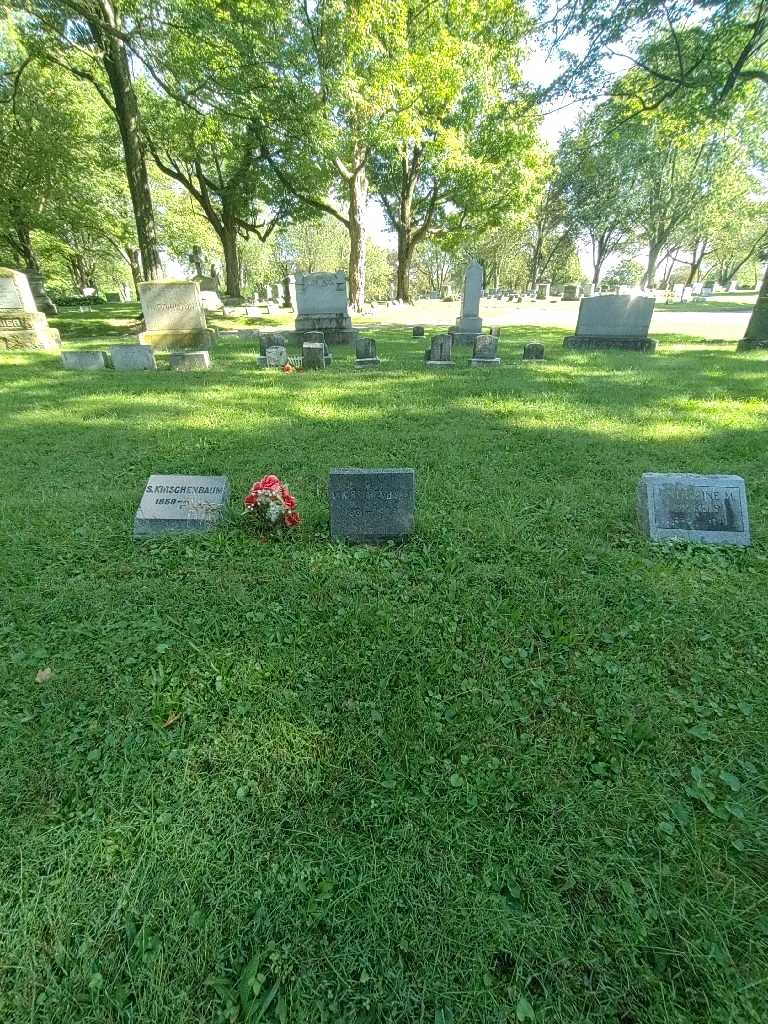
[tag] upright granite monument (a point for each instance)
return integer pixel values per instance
(469, 324)
(174, 316)
(21, 325)
(691, 507)
(485, 351)
(321, 305)
(614, 321)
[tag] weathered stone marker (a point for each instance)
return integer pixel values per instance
(181, 504)
(83, 360)
(174, 316)
(687, 506)
(276, 357)
(614, 321)
(315, 354)
(418, 331)
(533, 350)
(570, 293)
(440, 353)
(22, 327)
(186, 361)
(132, 357)
(469, 324)
(372, 506)
(365, 354)
(485, 351)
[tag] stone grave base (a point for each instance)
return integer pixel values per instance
(463, 338)
(485, 362)
(21, 332)
(439, 364)
(179, 341)
(84, 360)
(367, 364)
(751, 345)
(597, 341)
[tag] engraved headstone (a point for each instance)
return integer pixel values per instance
(132, 357)
(181, 504)
(692, 507)
(614, 321)
(485, 351)
(83, 359)
(439, 355)
(372, 505)
(174, 316)
(321, 305)
(365, 354)
(469, 324)
(315, 355)
(276, 357)
(570, 293)
(22, 327)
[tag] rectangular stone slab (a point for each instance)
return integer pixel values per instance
(692, 507)
(372, 506)
(615, 316)
(181, 504)
(171, 306)
(321, 293)
(83, 359)
(132, 357)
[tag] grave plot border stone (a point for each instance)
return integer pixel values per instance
(677, 506)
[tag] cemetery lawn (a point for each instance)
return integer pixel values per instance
(512, 770)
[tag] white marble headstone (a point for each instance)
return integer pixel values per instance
(172, 306)
(15, 292)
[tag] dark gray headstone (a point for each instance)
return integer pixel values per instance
(372, 505)
(418, 332)
(440, 352)
(485, 351)
(533, 350)
(365, 354)
(181, 504)
(687, 506)
(314, 355)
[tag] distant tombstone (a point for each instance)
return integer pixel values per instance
(268, 292)
(690, 507)
(185, 362)
(174, 316)
(372, 506)
(614, 321)
(542, 290)
(440, 353)
(570, 293)
(485, 351)
(83, 359)
(210, 299)
(418, 331)
(533, 350)
(588, 290)
(112, 296)
(321, 305)
(365, 354)
(22, 327)
(181, 504)
(469, 324)
(132, 357)
(43, 301)
(285, 293)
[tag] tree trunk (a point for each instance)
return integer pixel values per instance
(649, 276)
(228, 238)
(757, 328)
(358, 196)
(20, 241)
(117, 67)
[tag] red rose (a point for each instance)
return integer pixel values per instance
(269, 483)
(288, 500)
(292, 519)
(288, 368)
(250, 500)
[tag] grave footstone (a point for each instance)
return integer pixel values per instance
(693, 507)
(372, 505)
(485, 351)
(132, 357)
(84, 359)
(533, 350)
(187, 361)
(174, 316)
(181, 504)
(365, 354)
(22, 326)
(439, 355)
(469, 324)
(614, 321)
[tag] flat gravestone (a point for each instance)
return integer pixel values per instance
(185, 362)
(181, 504)
(614, 321)
(372, 506)
(687, 506)
(84, 359)
(132, 357)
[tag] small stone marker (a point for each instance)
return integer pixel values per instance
(184, 361)
(484, 354)
(418, 332)
(372, 506)
(570, 293)
(84, 360)
(365, 354)
(314, 355)
(687, 506)
(132, 357)
(181, 504)
(22, 327)
(614, 321)
(174, 316)
(542, 290)
(533, 350)
(276, 357)
(469, 324)
(440, 353)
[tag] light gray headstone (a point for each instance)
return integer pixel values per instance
(184, 361)
(372, 505)
(321, 293)
(181, 504)
(688, 506)
(15, 292)
(277, 356)
(469, 321)
(626, 316)
(83, 360)
(132, 357)
(171, 306)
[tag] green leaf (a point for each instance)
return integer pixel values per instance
(733, 782)
(524, 1010)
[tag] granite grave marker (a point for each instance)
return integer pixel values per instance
(692, 507)
(372, 506)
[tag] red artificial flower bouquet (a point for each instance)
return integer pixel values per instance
(271, 503)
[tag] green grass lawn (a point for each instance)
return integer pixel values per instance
(514, 769)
